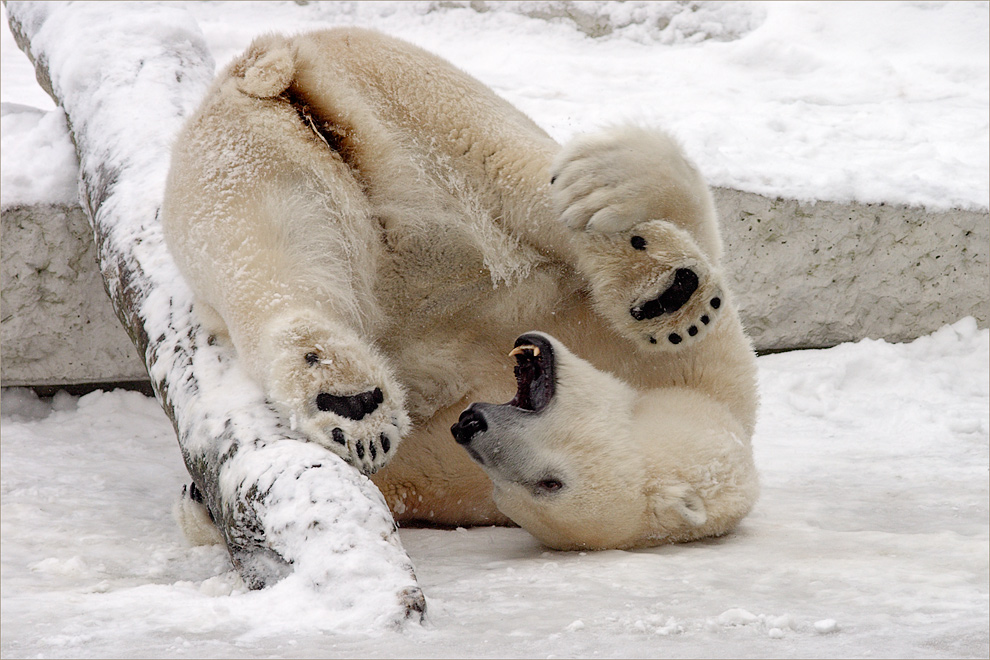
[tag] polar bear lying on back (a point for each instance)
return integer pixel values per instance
(374, 230)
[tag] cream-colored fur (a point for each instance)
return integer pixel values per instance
(371, 228)
(626, 468)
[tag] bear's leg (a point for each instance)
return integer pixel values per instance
(289, 271)
(646, 235)
(334, 387)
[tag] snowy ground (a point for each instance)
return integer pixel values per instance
(872, 102)
(871, 537)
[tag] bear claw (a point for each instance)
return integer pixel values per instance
(367, 456)
(682, 335)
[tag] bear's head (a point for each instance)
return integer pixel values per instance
(582, 461)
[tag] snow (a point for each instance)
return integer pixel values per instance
(872, 532)
(39, 163)
(320, 516)
(870, 538)
(845, 101)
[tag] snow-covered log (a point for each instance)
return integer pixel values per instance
(126, 75)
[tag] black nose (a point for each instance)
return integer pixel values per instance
(470, 424)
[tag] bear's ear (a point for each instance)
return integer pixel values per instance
(692, 508)
(269, 74)
(684, 501)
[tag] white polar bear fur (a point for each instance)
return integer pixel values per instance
(358, 216)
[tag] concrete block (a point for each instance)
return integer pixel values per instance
(57, 326)
(819, 274)
(804, 275)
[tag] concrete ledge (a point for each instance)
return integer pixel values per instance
(818, 274)
(57, 326)
(804, 275)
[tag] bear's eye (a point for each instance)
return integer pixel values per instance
(549, 485)
(638, 242)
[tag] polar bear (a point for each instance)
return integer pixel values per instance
(372, 230)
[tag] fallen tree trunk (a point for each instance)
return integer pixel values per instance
(126, 75)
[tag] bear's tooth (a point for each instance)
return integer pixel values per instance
(518, 350)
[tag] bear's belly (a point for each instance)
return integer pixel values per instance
(450, 342)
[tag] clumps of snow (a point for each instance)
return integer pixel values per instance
(668, 22)
(871, 533)
(657, 625)
(772, 625)
(846, 102)
(39, 163)
(575, 626)
(826, 626)
(736, 617)
(22, 404)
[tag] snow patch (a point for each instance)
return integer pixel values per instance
(823, 105)
(39, 163)
(875, 514)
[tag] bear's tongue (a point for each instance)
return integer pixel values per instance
(534, 373)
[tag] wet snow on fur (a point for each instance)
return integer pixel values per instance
(870, 537)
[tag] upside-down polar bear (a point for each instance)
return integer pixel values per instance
(372, 229)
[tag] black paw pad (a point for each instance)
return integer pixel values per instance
(673, 298)
(352, 407)
(338, 437)
(386, 443)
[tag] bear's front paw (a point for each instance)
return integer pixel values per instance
(682, 313)
(654, 285)
(610, 182)
(336, 391)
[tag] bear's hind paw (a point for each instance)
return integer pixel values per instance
(364, 428)
(336, 390)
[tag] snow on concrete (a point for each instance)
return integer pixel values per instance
(870, 538)
(39, 163)
(866, 102)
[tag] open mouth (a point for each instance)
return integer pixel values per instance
(534, 370)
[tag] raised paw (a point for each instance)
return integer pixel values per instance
(655, 285)
(337, 391)
(610, 182)
(664, 325)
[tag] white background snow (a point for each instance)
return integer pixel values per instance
(871, 536)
